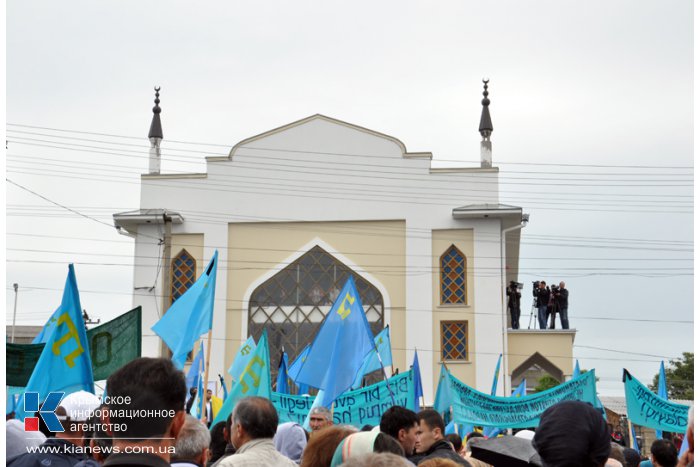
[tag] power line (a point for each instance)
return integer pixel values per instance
(141, 138)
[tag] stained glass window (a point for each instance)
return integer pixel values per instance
(293, 302)
(183, 274)
(453, 338)
(453, 277)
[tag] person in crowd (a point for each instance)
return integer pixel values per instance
(155, 386)
(514, 304)
(632, 457)
(439, 462)
(64, 449)
(321, 447)
(402, 425)
(365, 442)
(290, 440)
(190, 400)
(19, 441)
(663, 453)
(617, 452)
(253, 426)
(687, 458)
(97, 439)
(541, 293)
(375, 459)
(218, 443)
(562, 298)
(319, 418)
(456, 442)
(192, 445)
(572, 433)
(431, 442)
(230, 449)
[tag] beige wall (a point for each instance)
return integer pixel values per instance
(374, 249)
(555, 346)
(464, 240)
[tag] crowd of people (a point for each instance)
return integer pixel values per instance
(111, 434)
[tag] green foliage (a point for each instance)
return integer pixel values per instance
(679, 377)
(546, 382)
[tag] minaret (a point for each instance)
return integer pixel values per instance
(485, 128)
(155, 135)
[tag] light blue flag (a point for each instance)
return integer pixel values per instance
(635, 445)
(282, 383)
(496, 373)
(417, 380)
(196, 368)
(521, 390)
(662, 392)
(190, 316)
(665, 416)
(243, 356)
(64, 364)
(294, 368)
(577, 371)
(339, 347)
(48, 328)
(253, 381)
(443, 396)
(382, 342)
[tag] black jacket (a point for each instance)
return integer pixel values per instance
(542, 296)
(441, 449)
(41, 459)
(562, 298)
(513, 298)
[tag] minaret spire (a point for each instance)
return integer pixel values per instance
(155, 135)
(485, 127)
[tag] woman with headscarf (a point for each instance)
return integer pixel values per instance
(290, 440)
(365, 442)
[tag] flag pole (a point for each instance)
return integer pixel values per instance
(206, 381)
(374, 344)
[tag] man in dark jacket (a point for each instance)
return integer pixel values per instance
(541, 293)
(514, 304)
(431, 443)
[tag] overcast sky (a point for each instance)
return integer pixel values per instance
(592, 106)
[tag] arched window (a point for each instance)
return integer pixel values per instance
(183, 273)
(293, 302)
(453, 277)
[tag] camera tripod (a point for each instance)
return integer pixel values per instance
(533, 314)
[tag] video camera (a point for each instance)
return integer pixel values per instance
(516, 285)
(554, 288)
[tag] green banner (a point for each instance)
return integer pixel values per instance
(112, 345)
(358, 408)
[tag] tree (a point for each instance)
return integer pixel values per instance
(679, 378)
(546, 382)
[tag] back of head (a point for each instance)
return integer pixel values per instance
(257, 416)
(632, 457)
(455, 440)
(572, 433)
(290, 440)
(384, 459)
(19, 440)
(432, 419)
(218, 443)
(192, 440)
(386, 443)
(617, 452)
(397, 418)
(365, 442)
(150, 384)
(664, 453)
(321, 447)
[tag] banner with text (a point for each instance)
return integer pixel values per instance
(472, 407)
(358, 408)
(647, 409)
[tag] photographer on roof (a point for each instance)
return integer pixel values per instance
(541, 293)
(561, 299)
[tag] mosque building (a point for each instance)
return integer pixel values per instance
(294, 211)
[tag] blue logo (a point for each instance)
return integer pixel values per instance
(47, 411)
